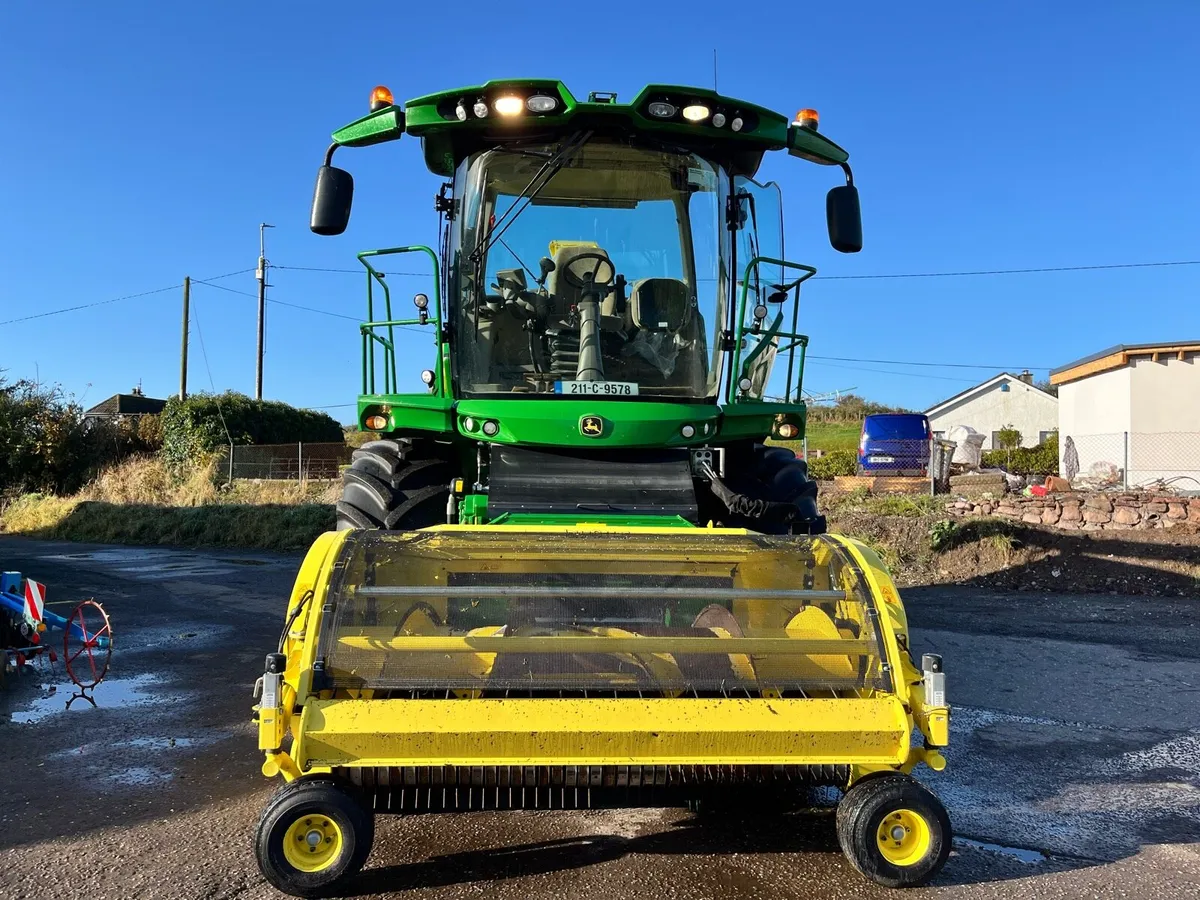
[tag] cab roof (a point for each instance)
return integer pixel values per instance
(450, 130)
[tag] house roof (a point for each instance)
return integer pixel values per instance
(1117, 356)
(127, 405)
(980, 388)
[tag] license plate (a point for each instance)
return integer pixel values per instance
(881, 459)
(596, 388)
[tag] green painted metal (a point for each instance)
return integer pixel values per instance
(447, 140)
(551, 421)
(622, 521)
(772, 334)
(756, 419)
(368, 329)
(386, 124)
(472, 510)
(409, 412)
(815, 147)
(555, 422)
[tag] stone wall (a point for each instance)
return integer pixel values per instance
(1088, 511)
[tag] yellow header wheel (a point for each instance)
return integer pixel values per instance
(314, 835)
(903, 837)
(312, 843)
(894, 830)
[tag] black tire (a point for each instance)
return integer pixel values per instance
(395, 484)
(894, 804)
(772, 474)
(324, 818)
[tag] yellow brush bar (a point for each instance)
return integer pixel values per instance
(602, 732)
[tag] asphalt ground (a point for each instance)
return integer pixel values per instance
(1074, 769)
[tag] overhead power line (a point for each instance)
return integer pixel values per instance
(894, 372)
(1146, 265)
(932, 365)
(311, 309)
(348, 271)
(161, 290)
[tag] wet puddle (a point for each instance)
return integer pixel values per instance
(112, 693)
(1030, 857)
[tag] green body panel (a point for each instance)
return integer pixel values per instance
(445, 139)
(753, 420)
(386, 124)
(409, 412)
(554, 422)
(610, 521)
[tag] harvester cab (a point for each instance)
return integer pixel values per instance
(570, 571)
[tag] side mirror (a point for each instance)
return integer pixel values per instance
(331, 201)
(845, 219)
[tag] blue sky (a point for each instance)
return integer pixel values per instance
(145, 142)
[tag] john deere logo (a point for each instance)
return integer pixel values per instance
(591, 426)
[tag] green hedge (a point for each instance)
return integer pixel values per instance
(203, 423)
(47, 446)
(835, 462)
(1039, 460)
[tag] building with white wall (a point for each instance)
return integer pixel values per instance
(1136, 407)
(1000, 402)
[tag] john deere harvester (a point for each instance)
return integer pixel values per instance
(570, 572)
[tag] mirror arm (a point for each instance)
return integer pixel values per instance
(845, 168)
(329, 153)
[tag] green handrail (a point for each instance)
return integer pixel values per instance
(390, 379)
(741, 367)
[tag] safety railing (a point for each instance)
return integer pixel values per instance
(769, 336)
(371, 329)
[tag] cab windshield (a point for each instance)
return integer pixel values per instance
(619, 249)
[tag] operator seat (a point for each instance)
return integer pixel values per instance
(563, 294)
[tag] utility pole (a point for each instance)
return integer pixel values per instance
(187, 297)
(262, 307)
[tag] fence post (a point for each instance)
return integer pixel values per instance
(300, 462)
(1125, 471)
(804, 447)
(231, 462)
(932, 468)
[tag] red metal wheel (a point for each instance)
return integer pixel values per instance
(87, 644)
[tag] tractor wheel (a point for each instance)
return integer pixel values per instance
(313, 835)
(398, 485)
(772, 474)
(894, 830)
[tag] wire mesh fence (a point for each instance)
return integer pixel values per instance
(1131, 459)
(300, 461)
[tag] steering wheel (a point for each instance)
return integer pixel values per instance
(577, 280)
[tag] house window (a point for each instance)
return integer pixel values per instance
(996, 440)
(1044, 436)
(1004, 388)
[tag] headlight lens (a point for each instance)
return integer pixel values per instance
(480, 109)
(719, 120)
(508, 106)
(540, 103)
(661, 110)
(697, 112)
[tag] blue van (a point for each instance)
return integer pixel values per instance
(894, 444)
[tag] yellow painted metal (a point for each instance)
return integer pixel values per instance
(600, 643)
(602, 732)
(868, 729)
(312, 843)
(300, 647)
(904, 837)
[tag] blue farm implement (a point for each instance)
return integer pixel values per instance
(27, 630)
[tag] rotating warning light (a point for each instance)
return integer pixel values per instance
(381, 97)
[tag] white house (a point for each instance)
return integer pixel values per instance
(1136, 407)
(1006, 400)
